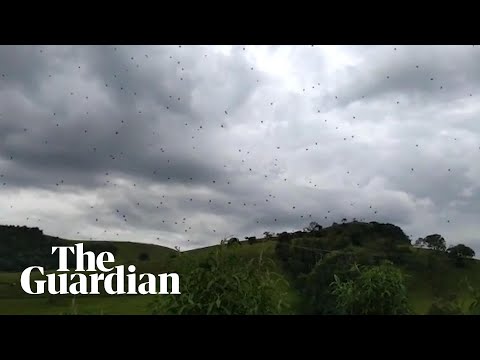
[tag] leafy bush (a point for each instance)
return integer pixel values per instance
(434, 242)
(377, 290)
(459, 253)
(316, 285)
(226, 284)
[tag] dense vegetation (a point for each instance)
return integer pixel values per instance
(224, 283)
(21, 247)
(347, 268)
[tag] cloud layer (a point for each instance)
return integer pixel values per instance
(184, 145)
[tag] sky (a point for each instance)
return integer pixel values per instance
(185, 145)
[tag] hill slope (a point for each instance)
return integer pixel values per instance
(430, 274)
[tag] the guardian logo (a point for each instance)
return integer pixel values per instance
(80, 283)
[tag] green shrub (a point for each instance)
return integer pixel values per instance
(377, 290)
(225, 283)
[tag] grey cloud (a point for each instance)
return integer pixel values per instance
(235, 135)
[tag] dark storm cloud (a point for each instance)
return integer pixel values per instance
(114, 136)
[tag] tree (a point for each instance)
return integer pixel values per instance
(434, 242)
(233, 241)
(268, 235)
(377, 290)
(459, 253)
(251, 239)
(461, 250)
(312, 227)
(419, 243)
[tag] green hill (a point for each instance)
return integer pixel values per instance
(307, 260)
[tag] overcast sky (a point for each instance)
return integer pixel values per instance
(184, 145)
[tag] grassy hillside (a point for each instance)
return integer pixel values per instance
(302, 258)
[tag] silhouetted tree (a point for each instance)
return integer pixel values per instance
(459, 253)
(313, 226)
(434, 242)
(461, 250)
(233, 241)
(251, 239)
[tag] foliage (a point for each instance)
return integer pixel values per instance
(400, 255)
(251, 239)
(474, 306)
(453, 305)
(377, 290)
(434, 242)
(316, 285)
(459, 253)
(461, 250)
(21, 247)
(390, 231)
(225, 283)
(312, 227)
(233, 241)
